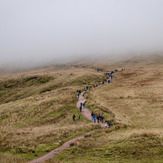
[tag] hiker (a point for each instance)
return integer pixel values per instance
(77, 95)
(98, 118)
(80, 108)
(102, 119)
(79, 115)
(98, 70)
(95, 85)
(102, 82)
(79, 92)
(109, 123)
(73, 117)
(92, 114)
(94, 118)
(83, 105)
(86, 88)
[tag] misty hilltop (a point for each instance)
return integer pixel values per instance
(37, 32)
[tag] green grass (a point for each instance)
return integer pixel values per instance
(24, 82)
(29, 153)
(143, 148)
(7, 158)
(15, 89)
(70, 81)
(27, 108)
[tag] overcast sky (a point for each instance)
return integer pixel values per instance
(45, 30)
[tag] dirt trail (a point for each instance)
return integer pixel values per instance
(57, 150)
(87, 114)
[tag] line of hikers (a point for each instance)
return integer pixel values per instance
(78, 93)
(82, 106)
(99, 118)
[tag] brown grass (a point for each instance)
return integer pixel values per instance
(34, 118)
(10, 159)
(135, 100)
(30, 117)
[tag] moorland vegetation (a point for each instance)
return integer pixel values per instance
(36, 109)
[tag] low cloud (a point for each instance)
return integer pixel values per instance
(38, 32)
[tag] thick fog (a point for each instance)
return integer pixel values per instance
(40, 31)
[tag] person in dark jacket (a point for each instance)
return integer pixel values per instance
(80, 108)
(98, 118)
(83, 105)
(92, 114)
(73, 117)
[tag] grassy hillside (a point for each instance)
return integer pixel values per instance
(134, 102)
(36, 109)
